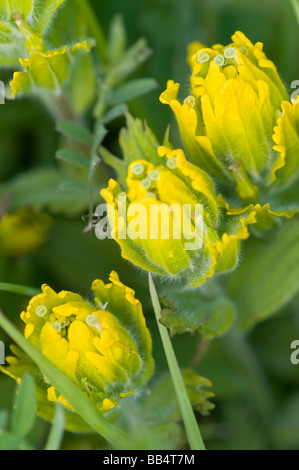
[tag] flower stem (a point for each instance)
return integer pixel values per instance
(191, 426)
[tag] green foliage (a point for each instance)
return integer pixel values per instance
(91, 78)
(22, 417)
(267, 278)
(198, 313)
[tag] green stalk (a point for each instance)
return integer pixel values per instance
(94, 27)
(295, 5)
(191, 426)
(80, 403)
(57, 430)
(17, 289)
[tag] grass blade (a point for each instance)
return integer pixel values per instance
(191, 426)
(17, 289)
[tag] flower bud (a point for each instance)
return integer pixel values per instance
(104, 347)
(237, 102)
(168, 222)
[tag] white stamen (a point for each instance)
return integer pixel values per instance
(153, 175)
(57, 326)
(244, 50)
(92, 320)
(190, 101)
(151, 195)
(105, 306)
(41, 310)
(229, 53)
(171, 163)
(146, 183)
(138, 169)
(203, 57)
(219, 60)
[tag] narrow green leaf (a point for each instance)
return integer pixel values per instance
(57, 430)
(75, 131)
(295, 5)
(23, 414)
(133, 89)
(38, 188)
(117, 39)
(4, 416)
(17, 289)
(72, 185)
(98, 138)
(115, 112)
(192, 429)
(131, 60)
(72, 157)
(76, 398)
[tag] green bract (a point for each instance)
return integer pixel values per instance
(46, 69)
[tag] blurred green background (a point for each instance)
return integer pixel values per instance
(256, 386)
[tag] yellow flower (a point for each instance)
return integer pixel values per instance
(104, 347)
(23, 232)
(178, 230)
(237, 102)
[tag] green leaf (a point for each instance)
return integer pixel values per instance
(45, 10)
(57, 430)
(195, 312)
(267, 278)
(130, 61)
(133, 89)
(117, 39)
(47, 70)
(295, 5)
(162, 406)
(98, 138)
(114, 113)
(38, 189)
(75, 131)
(17, 289)
(9, 7)
(72, 157)
(23, 414)
(137, 142)
(70, 391)
(10, 441)
(4, 417)
(72, 185)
